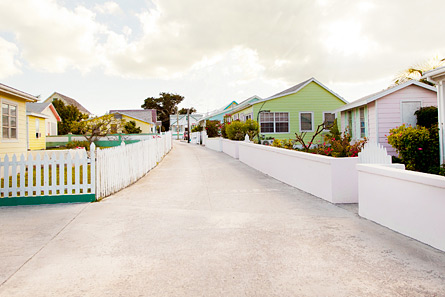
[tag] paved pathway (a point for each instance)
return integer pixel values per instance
(204, 224)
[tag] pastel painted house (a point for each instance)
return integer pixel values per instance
(218, 115)
(14, 128)
(36, 130)
(374, 115)
(179, 124)
(68, 101)
(145, 119)
(51, 116)
(298, 109)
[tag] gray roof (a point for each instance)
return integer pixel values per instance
(291, 90)
(375, 96)
(37, 107)
(144, 115)
(70, 101)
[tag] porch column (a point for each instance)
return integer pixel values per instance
(441, 108)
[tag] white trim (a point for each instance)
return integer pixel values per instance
(274, 122)
(365, 100)
(312, 121)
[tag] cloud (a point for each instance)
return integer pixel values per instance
(9, 64)
(288, 41)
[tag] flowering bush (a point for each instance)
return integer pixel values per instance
(237, 130)
(284, 143)
(213, 128)
(418, 148)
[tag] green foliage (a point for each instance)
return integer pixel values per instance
(418, 148)
(223, 130)
(284, 143)
(70, 116)
(105, 125)
(333, 132)
(237, 130)
(165, 106)
(213, 128)
(184, 110)
(130, 128)
(341, 146)
(78, 143)
(197, 128)
(427, 116)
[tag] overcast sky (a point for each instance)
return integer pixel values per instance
(114, 54)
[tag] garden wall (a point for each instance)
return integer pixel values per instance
(214, 144)
(408, 202)
(332, 179)
(231, 147)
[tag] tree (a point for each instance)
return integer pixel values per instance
(184, 110)
(99, 127)
(130, 128)
(70, 116)
(415, 72)
(165, 106)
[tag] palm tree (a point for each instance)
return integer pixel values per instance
(415, 72)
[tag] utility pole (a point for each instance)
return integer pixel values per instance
(177, 123)
(188, 125)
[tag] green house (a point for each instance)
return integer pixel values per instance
(300, 108)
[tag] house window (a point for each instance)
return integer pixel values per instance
(362, 123)
(37, 128)
(9, 121)
(350, 122)
(274, 122)
(306, 123)
(235, 117)
(328, 119)
(118, 116)
(408, 110)
(248, 117)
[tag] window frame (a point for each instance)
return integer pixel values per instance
(9, 139)
(324, 118)
(274, 122)
(362, 134)
(312, 121)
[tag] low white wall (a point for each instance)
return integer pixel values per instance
(214, 144)
(408, 202)
(332, 179)
(231, 148)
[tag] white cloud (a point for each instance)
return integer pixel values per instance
(9, 64)
(108, 7)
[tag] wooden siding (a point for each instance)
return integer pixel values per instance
(15, 146)
(51, 120)
(389, 110)
(35, 143)
(372, 133)
(145, 127)
(245, 111)
(312, 98)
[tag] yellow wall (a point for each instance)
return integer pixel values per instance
(15, 146)
(34, 142)
(145, 127)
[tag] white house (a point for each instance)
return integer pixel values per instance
(179, 123)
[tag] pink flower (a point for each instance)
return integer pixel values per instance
(420, 148)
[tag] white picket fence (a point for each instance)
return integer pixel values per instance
(54, 174)
(374, 153)
(118, 167)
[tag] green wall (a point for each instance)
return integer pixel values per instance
(312, 98)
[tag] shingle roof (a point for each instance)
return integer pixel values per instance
(144, 115)
(70, 101)
(291, 89)
(37, 107)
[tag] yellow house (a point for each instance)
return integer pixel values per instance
(36, 131)
(14, 129)
(144, 118)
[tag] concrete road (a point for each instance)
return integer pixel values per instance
(204, 224)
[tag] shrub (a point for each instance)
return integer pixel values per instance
(130, 128)
(237, 130)
(418, 148)
(284, 143)
(427, 116)
(213, 128)
(197, 128)
(78, 143)
(223, 130)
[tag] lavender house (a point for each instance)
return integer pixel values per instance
(374, 115)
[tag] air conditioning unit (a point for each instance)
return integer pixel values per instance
(38, 135)
(267, 142)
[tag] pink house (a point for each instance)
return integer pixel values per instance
(374, 115)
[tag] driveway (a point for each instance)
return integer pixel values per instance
(204, 224)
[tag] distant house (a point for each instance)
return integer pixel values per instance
(14, 128)
(68, 101)
(179, 123)
(218, 115)
(36, 130)
(374, 115)
(47, 109)
(144, 118)
(300, 108)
